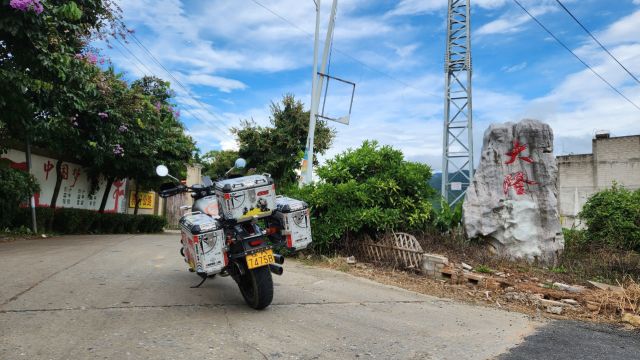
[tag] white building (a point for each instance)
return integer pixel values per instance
(613, 159)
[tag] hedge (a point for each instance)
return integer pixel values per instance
(80, 221)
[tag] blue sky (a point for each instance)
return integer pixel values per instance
(235, 57)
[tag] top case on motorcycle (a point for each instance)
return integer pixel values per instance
(293, 216)
(246, 197)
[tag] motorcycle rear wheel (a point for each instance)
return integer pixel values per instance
(256, 286)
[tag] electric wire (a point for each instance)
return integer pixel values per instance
(575, 55)
(150, 72)
(362, 63)
(597, 41)
(178, 82)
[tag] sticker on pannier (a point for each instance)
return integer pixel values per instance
(246, 197)
(293, 216)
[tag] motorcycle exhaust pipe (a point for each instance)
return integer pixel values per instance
(276, 269)
(279, 258)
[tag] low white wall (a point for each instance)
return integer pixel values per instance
(75, 187)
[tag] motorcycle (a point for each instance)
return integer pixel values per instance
(233, 227)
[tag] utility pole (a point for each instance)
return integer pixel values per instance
(457, 144)
(316, 91)
(32, 203)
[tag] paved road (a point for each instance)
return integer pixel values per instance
(575, 340)
(128, 297)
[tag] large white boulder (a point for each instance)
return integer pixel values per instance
(512, 201)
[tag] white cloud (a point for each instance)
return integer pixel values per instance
(514, 68)
(512, 22)
(224, 84)
(250, 40)
(415, 7)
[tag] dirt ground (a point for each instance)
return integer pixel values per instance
(515, 290)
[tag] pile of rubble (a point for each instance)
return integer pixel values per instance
(597, 299)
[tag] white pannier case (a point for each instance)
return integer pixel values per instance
(246, 197)
(202, 243)
(294, 217)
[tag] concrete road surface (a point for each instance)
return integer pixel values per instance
(128, 297)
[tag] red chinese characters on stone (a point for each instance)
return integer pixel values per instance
(514, 154)
(76, 175)
(48, 166)
(517, 181)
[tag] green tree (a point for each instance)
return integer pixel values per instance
(612, 217)
(44, 73)
(365, 191)
(159, 136)
(217, 162)
(278, 149)
(39, 45)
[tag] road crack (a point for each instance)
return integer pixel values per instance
(223, 306)
(237, 336)
(15, 297)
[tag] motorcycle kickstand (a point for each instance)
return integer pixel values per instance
(204, 278)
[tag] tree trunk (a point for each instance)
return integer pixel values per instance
(135, 209)
(105, 196)
(56, 189)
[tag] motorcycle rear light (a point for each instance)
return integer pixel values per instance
(272, 230)
(255, 242)
(227, 196)
(195, 239)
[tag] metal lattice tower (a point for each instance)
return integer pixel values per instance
(457, 150)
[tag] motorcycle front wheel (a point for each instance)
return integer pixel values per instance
(256, 286)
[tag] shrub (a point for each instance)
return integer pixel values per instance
(73, 221)
(446, 219)
(612, 217)
(15, 187)
(151, 223)
(81, 221)
(22, 218)
(365, 191)
(112, 223)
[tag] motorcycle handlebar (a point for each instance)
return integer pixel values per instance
(165, 193)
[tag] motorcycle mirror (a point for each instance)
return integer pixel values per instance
(240, 163)
(162, 170)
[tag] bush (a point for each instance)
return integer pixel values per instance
(73, 221)
(365, 191)
(151, 223)
(22, 218)
(15, 187)
(81, 221)
(446, 219)
(612, 217)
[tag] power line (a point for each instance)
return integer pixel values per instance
(149, 71)
(597, 41)
(342, 52)
(575, 55)
(186, 89)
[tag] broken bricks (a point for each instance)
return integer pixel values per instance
(433, 264)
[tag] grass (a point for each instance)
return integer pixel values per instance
(577, 264)
(483, 269)
(558, 270)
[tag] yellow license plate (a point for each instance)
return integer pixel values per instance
(261, 258)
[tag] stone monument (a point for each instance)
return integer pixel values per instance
(512, 201)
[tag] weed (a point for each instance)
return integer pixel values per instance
(484, 269)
